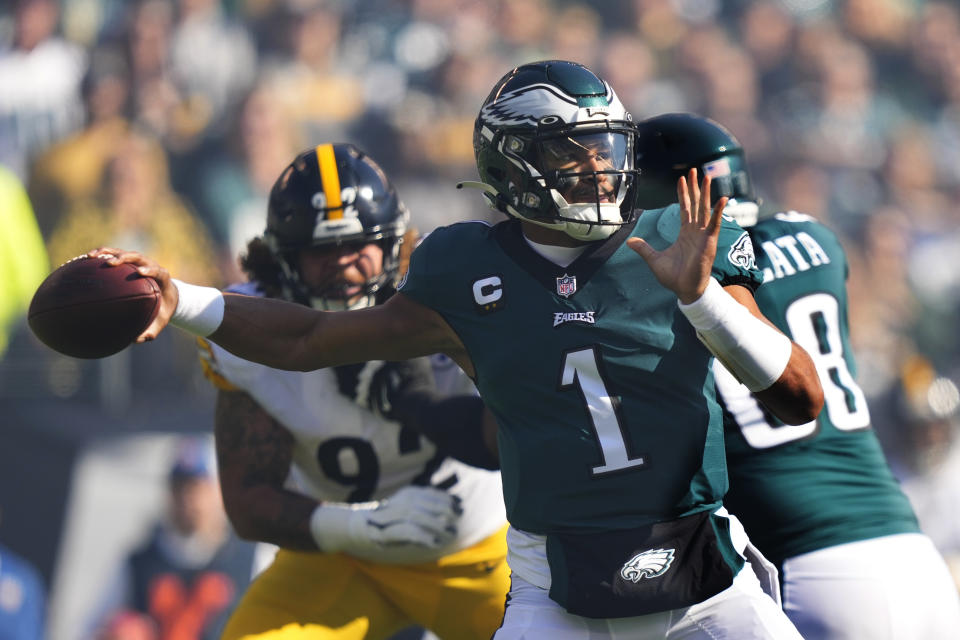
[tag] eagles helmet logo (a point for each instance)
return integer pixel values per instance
(649, 564)
(537, 102)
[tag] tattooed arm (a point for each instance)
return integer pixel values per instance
(254, 453)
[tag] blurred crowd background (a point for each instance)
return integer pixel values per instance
(160, 125)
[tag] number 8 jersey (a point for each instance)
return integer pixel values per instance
(806, 487)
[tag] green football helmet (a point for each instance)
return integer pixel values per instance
(669, 145)
(554, 146)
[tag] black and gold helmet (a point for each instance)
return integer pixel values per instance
(333, 194)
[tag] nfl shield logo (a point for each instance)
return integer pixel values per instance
(566, 285)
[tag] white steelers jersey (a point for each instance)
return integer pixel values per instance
(346, 453)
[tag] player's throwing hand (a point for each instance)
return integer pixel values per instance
(146, 267)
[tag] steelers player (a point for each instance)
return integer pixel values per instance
(818, 499)
(377, 529)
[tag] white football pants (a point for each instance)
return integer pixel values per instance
(890, 588)
(740, 612)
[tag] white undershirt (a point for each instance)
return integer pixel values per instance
(560, 256)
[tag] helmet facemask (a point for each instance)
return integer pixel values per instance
(333, 295)
(574, 178)
(586, 175)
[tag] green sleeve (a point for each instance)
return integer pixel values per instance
(736, 262)
(416, 282)
(436, 266)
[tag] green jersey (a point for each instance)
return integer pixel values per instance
(603, 394)
(806, 487)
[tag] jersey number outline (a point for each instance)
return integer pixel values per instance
(580, 369)
(814, 323)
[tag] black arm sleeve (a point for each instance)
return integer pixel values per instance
(406, 392)
(454, 424)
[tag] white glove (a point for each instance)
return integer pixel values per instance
(402, 528)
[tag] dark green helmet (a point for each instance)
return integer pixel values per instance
(554, 146)
(669, 145)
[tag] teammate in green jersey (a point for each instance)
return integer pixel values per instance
(818, 498)
(588, 355)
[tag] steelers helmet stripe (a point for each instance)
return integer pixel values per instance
(331, 180)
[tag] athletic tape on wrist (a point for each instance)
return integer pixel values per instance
(752, 350)
(199, 310)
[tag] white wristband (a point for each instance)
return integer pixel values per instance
(336, 526)
(199, 310)
(749, 348)
(330, 526)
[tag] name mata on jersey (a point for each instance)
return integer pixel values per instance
(786, 257)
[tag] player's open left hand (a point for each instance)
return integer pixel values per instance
(684, 267)
(146, 267)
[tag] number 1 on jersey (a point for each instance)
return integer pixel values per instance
(581, 369)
